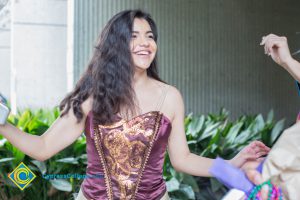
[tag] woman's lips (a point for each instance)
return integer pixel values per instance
(142, 53)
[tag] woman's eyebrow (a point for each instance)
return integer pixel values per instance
(139, 32)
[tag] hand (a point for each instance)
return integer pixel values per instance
(256, 178)
(252, 152)
(277, 48)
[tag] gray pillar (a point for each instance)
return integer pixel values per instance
(39, 50)
(5, 48)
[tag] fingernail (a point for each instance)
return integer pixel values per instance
(257, 179)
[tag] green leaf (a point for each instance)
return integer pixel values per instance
(2, 142)
(16, 153)
(270, 117)
(37, 127)
(210, 130)
(56, 112)
(40, 165)
(233, 132)
(215, 184)
(61, 185)
(187, 189)
(258, 123)
(278, 128)
(70, 160)
(215, 139)
(192, 142)
(243, 137)
(195, 126)
(13, 119)
(191, 181)
(6, 160)
(24, 119)
(172, 185)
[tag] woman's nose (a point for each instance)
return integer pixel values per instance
(143, 41)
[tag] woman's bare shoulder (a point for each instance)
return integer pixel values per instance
(171, 90)
(173, 102)
(87, 105)
(174, 96)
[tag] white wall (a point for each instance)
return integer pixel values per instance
(5, 50)
(38, 50)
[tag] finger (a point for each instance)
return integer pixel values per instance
(272, 43)
(268, 42)
(265, 38)
(261, 159)
(269, 45)
(250, 157)
(254, 176)
(261, 145)
(261, 154)
(262, 40)
(251, 165)
(264, 192)
(261, 149)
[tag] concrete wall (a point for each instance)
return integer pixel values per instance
(39, 31)
(5, 16)
(207, 48)
(210, 50)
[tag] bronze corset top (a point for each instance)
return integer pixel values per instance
(130, 155)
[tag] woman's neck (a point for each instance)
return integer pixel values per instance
(140, 79)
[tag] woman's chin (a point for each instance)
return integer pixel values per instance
(141, 67)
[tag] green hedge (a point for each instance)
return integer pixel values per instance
(207, 135)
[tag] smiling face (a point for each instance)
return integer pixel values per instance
(142, 45)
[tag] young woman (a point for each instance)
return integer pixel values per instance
(129, 116)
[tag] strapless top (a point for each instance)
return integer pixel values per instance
(129, 155)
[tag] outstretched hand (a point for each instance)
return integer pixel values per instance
(252, 152)
(277, 47)
(255, 177)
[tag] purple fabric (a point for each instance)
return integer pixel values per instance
(152, 185)
(92, 188)
(230, 176)
(260, 166)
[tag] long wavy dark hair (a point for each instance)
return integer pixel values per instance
(109, 75)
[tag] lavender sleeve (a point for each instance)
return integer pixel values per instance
(231, 176)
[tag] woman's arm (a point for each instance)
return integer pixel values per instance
(277, 47)
(180, 156)
(63, 132)
(185, 161)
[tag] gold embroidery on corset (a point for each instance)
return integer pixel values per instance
(100, 153)
(156, 128)
(126, 154)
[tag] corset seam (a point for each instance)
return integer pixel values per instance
(157, 125)
(100, 153)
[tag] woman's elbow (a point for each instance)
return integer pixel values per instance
(42, 156)
(177, 166)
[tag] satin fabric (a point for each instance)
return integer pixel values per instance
(152, 185)
(80, 196)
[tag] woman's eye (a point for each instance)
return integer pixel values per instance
(133, 36)
(151, 36)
